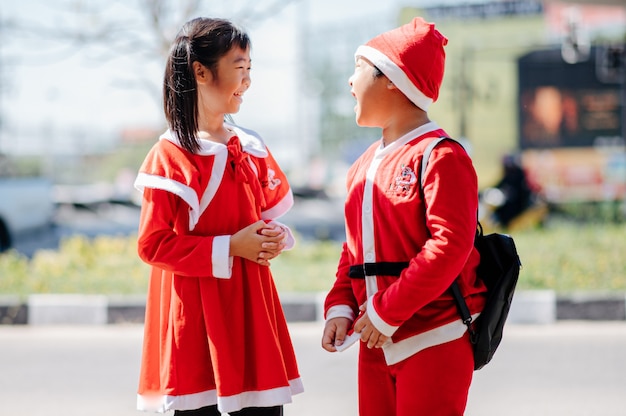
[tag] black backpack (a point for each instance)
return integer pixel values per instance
(499, 269)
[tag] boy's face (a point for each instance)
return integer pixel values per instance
(371, 93)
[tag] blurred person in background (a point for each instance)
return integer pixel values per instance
(404, 248)
(515, 201)
(512, 195)
(216, 339)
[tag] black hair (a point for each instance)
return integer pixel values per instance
(203, 40)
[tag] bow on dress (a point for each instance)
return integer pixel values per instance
(242, 169)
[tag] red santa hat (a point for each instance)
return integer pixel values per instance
(412, 57)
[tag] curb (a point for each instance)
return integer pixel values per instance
(529, 307)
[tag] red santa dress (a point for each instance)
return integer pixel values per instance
(215, 332)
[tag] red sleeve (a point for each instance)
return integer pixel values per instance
(451, 195)
(276, 189)
(342, 293)
(162, 239)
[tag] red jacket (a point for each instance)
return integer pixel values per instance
(386, 221)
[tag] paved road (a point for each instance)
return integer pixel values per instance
(569, 368)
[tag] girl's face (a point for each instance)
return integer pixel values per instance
(223, 93)
(371, 93)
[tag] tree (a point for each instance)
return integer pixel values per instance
(106, 30)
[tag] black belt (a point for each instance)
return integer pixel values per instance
(383, 268)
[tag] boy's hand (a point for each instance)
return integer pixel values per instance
(368, 331)
(335, 332)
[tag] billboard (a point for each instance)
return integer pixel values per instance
(571, 124)
(569, 105)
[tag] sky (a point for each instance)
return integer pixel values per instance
(56, 98)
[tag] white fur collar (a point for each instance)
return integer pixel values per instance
(251, 142)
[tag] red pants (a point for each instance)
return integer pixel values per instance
(433, 382)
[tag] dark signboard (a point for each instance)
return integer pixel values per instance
(571, 129)
(485, 10)
(569, 105)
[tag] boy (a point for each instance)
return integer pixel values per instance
(404, 249)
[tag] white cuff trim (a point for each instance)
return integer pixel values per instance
(340, 311)
(222, 263)
(290, 240)
(377, 321)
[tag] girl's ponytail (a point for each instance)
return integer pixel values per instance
(180, 94)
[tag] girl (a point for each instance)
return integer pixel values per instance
(215, 339)
(404, 249)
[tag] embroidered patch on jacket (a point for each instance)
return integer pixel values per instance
(404, 181)
(273, 181)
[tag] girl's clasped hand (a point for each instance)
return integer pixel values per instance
(259, 242)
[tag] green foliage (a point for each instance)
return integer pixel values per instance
(124, 156)
(573, 257)
(563, 256)
(308, 267)
(107, 265)
(20, 166)
(14, 272)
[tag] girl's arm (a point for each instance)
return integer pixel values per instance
(162, 244)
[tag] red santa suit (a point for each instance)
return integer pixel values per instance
(215, 332)
(409, 246)
(387, 221)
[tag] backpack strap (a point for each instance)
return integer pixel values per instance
(464, 311)
(429, 149)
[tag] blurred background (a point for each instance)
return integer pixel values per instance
(534, 89)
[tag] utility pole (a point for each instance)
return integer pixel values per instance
(303, 102)
(465, 95)
(2, 87)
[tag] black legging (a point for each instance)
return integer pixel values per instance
(248, 411)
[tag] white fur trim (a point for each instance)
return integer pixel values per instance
(163, 403)
(290, 240)
(207, 147)
(396, 352)
(186, 193)
(220, 258)
(340, 311)
(279, 209)
(381, 152)
(367, 224)
(395, 74)
(217, 173)
(264, 398)
(251, 141)
(377, 321)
